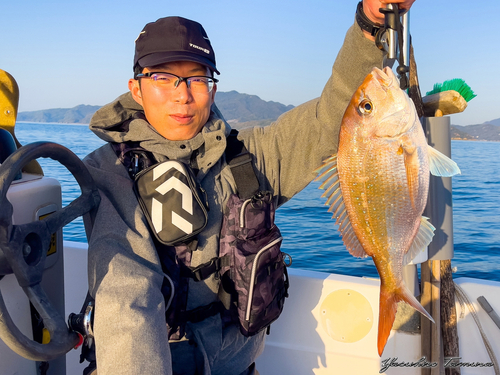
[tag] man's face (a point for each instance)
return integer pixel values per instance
(179, 114)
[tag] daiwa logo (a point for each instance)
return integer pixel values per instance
(173, 183)
(200, 48)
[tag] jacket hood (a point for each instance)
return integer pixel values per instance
(123, 120)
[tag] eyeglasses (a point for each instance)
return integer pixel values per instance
(169, 81)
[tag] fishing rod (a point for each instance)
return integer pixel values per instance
(394, 39)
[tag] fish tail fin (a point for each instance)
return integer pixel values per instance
(387, 314)
(388, 308)
(410, 299)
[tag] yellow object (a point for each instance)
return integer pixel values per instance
(9, 101)
(53, 239)
(346, 315)
(45, 336)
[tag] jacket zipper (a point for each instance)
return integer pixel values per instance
(167, 305)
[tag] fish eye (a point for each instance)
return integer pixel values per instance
(365, 107)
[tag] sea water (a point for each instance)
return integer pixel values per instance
(311, 237)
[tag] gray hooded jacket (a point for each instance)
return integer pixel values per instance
(125, 274)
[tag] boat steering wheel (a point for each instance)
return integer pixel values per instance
(23, 250)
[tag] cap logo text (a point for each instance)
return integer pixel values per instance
(200, 48)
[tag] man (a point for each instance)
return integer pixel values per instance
(169, 113)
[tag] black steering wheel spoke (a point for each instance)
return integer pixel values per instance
(23, 250)
(27, 251)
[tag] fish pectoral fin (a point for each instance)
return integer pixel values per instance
(412, 169)
(440, 164)
(422, 239)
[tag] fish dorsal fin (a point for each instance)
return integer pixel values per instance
(421, 240)
(328, 173)
(440, 164)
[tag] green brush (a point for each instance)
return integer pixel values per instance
(447, 98)
(456, 84)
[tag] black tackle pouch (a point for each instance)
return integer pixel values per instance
(172, 200)
(256, 274)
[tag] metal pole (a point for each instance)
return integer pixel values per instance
(439, 211)
(440, 206)
(392, 35)
(406, 40)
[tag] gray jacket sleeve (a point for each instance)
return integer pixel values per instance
(288, 151)
(125, 278)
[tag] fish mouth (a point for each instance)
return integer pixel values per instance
(401, 105)
(385, 77)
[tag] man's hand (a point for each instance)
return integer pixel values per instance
(371, 9)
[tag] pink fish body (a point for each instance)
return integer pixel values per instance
(377, 186)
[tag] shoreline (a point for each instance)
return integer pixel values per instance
(81, 124)
(474, 140)
(51, 123)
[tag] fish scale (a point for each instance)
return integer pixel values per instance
(377, 186)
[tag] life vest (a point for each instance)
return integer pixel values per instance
(251, 266)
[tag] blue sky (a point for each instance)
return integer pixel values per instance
(65, 53)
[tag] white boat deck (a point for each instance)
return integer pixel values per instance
(329, 325)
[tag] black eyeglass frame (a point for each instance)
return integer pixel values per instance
(179, 78)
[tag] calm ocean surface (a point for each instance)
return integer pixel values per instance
(310, 235)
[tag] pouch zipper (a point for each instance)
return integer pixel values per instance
(242, 212)
(254, 271)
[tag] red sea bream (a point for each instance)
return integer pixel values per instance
(377, 186)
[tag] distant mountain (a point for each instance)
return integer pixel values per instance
(459, 134)
(238, 108)
(81, 114)
(241, 110)
(483, 132)
(494, 122)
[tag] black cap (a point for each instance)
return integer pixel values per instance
(173, 39)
